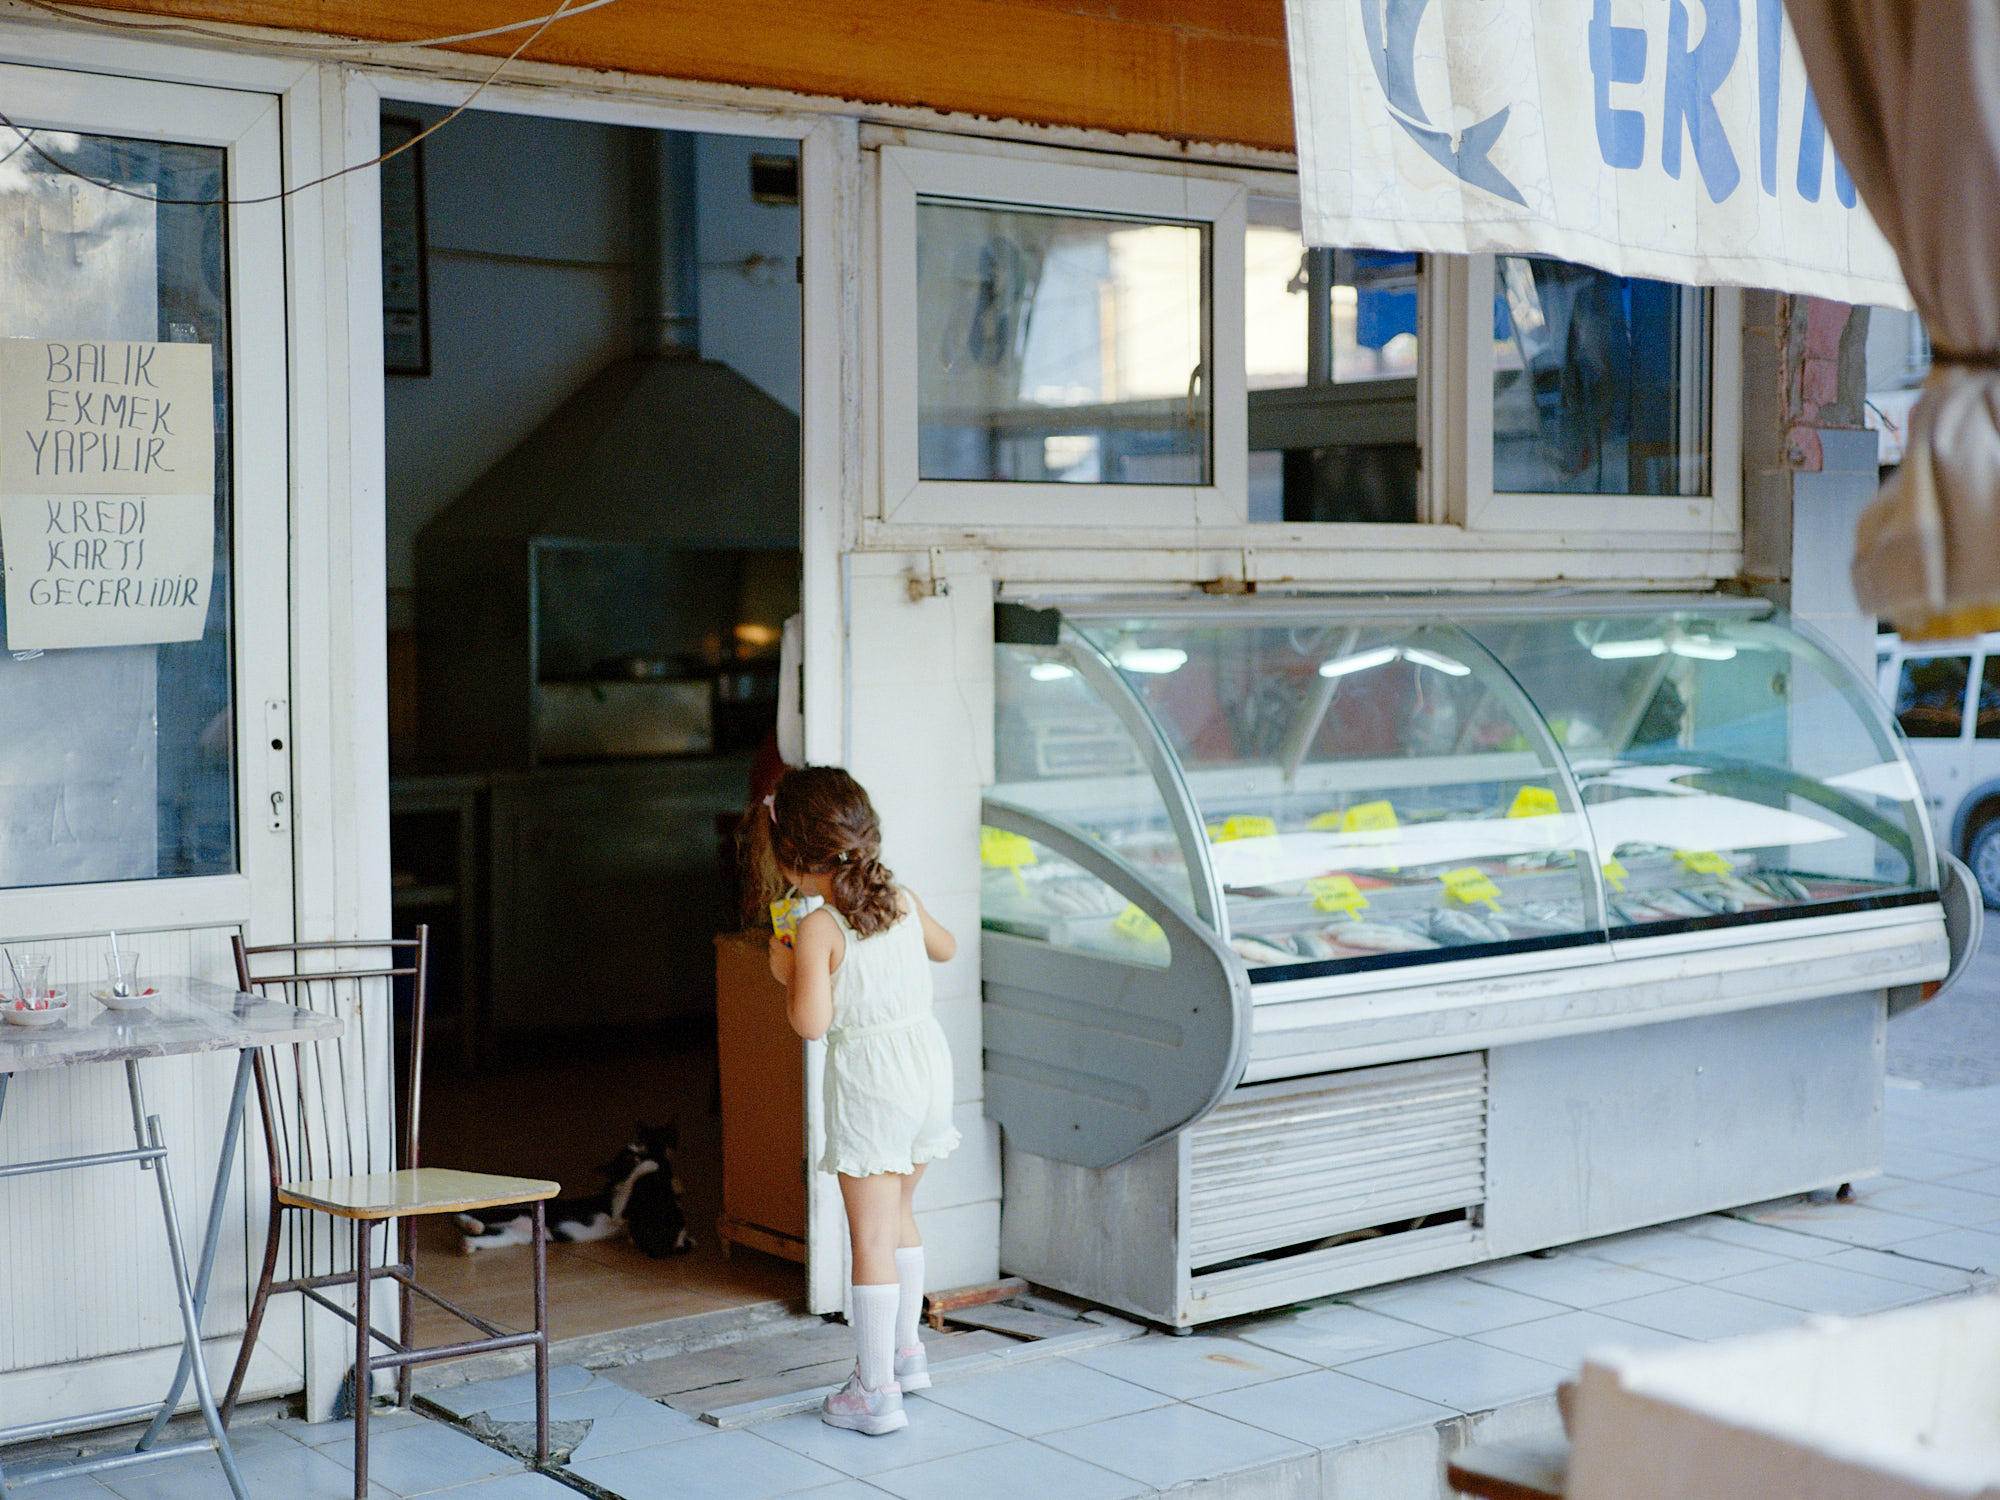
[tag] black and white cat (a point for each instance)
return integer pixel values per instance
(641, 1195)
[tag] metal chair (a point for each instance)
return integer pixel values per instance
(319, 1109)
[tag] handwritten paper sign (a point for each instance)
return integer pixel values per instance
(107, 491)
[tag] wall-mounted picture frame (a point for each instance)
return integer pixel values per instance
(406, 313)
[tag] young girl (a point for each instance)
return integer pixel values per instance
(858, 973)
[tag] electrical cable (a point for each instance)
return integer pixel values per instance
(562, 10)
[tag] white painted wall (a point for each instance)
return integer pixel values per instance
(529, 297)
(750, 316)
(920, 717)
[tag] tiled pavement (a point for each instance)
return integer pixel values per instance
(1358, 1397)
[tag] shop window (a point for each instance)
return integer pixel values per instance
(1331, 346)
(1597, 403)
(117, 761)
(1059, 348)
(1153, 345)
(1053, 351)
(1599, 382)
(1930, 697)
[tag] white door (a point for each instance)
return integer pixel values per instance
(144, 786)
(1930, 704)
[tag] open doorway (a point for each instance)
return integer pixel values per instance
(593, 339)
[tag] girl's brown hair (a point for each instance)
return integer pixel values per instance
(819, 821)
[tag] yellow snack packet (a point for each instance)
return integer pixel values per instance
(788, 911)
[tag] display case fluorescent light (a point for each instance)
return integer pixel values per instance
(1697, 647)
(1379, 656)
(1155, 661)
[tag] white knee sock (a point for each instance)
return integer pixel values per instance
(910, 1306)
(875, 1331)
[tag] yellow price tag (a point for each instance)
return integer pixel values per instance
(1327, 822)
(1534, 802)
(1471, 884)
(1365, 817)
(1242, 827)
(1000, 849)
(1703, 861)
(1136, 925)
(1615, 873)
(1336, 893)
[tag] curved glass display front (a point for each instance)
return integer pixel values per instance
(1361, 784)
(1063, 749)
(1033, 891)
(1731, 769)
(1368, 790)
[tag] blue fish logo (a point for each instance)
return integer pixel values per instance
(1391, 26)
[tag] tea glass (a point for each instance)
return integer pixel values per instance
(31, 975)
(121, 972)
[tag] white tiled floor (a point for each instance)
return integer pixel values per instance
(1815, 1286)
(1455, 1304)
(1334, 1334)
(1460, 1374)
(1564, 1339)
(1572, 1280)
(1171, 1445)
(1199, 1365)
(1683, 1256)
(1701, 1312)
(1045, 1396)
(1338, 1399)
(1326, 1408)
(1011, 1471)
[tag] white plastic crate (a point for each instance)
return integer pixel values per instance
(1897, 1406)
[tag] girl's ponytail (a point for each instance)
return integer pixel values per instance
(822, 823)
(865, 893)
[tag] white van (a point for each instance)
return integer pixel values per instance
(1946, 696)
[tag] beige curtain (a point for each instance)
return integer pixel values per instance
(1911, 94)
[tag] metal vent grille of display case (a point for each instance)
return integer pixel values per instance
(1287, 1167)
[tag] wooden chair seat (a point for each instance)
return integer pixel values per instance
(421, 1190)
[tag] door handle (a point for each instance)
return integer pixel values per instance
(278, 763)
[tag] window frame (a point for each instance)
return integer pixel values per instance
(1165, 192)
(230, 109)
(1455, 494)
(1474, 503)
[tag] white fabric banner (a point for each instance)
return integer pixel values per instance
(1676, 140)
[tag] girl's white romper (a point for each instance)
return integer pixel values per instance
(888, 1069)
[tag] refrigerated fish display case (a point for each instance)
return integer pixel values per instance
(1329, 942)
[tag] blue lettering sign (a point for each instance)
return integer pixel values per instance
(1812, 152)
(1770, 30)
(1692, 79)
(1391, 28)
(1617, 55)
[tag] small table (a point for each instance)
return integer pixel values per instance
(187, 1015)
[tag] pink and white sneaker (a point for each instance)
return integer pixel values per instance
(859, 1409)
(913, 1368)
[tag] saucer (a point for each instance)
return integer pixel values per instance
(54, 1012)
(111, 1001)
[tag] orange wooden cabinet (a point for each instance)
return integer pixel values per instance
(763, 1103)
